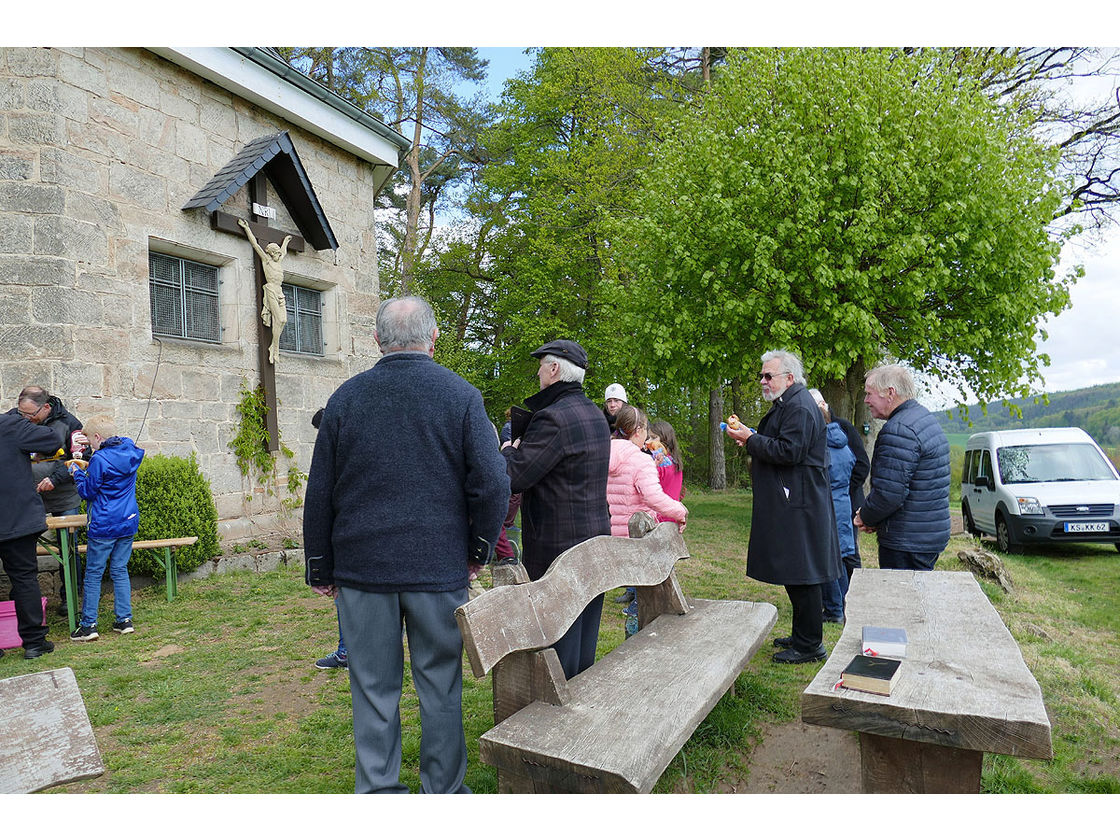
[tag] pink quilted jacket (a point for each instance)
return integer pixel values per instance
(632, 485)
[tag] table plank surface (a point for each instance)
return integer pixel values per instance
(963, 683)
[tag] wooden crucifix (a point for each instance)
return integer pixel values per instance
(270, 299)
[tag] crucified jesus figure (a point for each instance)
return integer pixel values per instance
(274, 313)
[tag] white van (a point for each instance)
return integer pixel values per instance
(1039, 485)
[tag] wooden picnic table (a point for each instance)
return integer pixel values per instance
(68, 550)
(963, 688)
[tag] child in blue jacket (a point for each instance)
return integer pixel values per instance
(108, 485)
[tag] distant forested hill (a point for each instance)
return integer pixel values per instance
(1096, 410)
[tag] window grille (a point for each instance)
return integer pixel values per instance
(184, 298)
(304, 331)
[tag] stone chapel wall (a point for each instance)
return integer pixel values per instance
(99, 150)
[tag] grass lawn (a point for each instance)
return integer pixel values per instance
(217, 692)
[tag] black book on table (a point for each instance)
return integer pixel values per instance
(875, 674)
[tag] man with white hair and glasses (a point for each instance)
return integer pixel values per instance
(793, 539)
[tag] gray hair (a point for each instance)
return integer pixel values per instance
(892, 376)
(568, 371)
(822, 404)
(405, 323)
(790, 364)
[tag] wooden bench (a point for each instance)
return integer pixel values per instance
(963, 689)
(45, 735)
(68, 551)
(616, 726)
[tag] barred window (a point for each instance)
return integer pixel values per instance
(184, 298)
(304, 331)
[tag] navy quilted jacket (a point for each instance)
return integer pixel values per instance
(909, 499)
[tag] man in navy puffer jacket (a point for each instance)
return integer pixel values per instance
(908, 506)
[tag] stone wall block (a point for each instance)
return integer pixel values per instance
(57, 166)
(58, 236)
(168, 382)
(84, 71)
(217, 118)
(11, 94)
(17, 375)
(142, 189)
(51, 305)
(15, 233)
(16, 165)
(55, 97)
(37, 271)
(75, 379)
(37, 129)
(190, 142)
(83, 207)
(24, 197)
(135, 83)
(31, 61)
(99, 139)
(34, 341)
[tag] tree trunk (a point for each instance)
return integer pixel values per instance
(717, 467)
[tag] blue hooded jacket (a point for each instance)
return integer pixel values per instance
(841, 462)
(109, 488)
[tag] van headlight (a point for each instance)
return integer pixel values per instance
(1029, 505)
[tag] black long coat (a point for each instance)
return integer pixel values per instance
(793, 532)
(560, 467)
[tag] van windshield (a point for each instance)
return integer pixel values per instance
(1052, 462)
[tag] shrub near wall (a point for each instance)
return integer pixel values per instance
(175, 501)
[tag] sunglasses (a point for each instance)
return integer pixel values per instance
(765, 376)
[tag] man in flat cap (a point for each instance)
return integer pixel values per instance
(559, 464)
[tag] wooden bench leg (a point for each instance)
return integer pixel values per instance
(894, 765)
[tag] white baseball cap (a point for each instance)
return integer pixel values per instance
(615, 392)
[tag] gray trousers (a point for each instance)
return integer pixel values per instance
(371, 624)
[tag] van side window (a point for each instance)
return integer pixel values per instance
(984, 469)
(968, 471)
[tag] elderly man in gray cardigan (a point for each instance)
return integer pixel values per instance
(406, 487)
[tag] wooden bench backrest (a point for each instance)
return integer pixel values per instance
(536, 614)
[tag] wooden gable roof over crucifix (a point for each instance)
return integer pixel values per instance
(275, 156)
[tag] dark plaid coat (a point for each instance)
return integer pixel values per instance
(560, 467)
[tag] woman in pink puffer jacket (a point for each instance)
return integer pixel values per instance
(632, 482)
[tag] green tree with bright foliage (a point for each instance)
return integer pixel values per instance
(849, 205)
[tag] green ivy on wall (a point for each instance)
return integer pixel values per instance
(252, 447)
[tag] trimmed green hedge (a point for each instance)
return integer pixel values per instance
(175, 501)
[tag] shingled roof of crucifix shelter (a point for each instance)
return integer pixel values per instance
(276, 156)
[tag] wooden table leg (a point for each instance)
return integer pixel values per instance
(68, 547)
(894, 765)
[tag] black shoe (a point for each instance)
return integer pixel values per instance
(35, 651)
(833, 620)
(783, 642)
(625, 598)
(61, 610)
(793, 656)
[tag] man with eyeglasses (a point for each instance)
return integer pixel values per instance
(52, 481)
(793, 539)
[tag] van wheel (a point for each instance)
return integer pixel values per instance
(970, 526)
(1003, 536)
